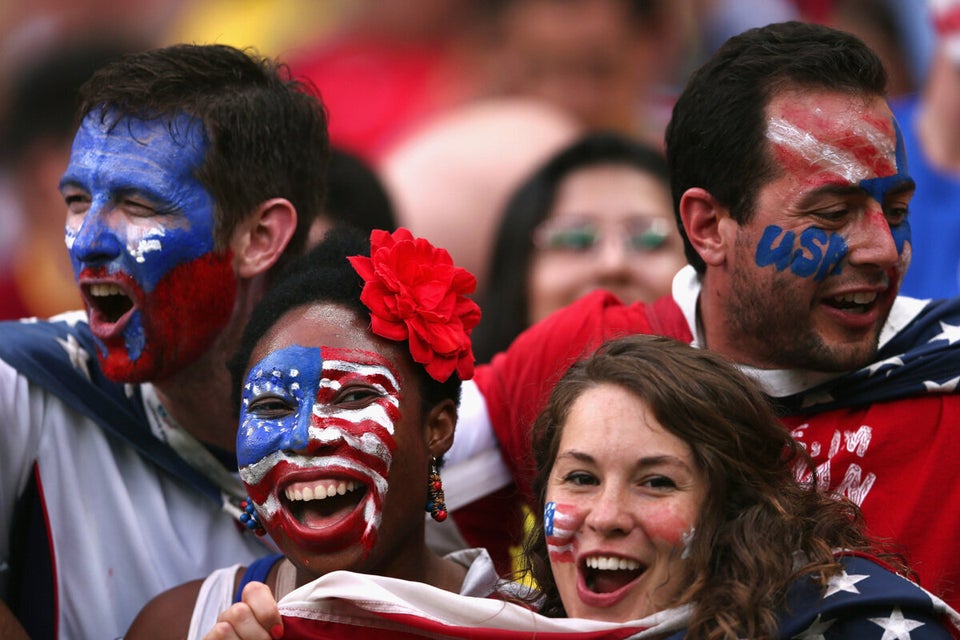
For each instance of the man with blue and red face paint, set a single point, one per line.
(194, 172)
(791, 189)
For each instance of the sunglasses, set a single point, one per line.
(639, 235)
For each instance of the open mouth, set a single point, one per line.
(606, 574)
(108, 302)
(858, 303)
(320, 503)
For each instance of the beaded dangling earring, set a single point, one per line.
(250, 518)
(436, 505)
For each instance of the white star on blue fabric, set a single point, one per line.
(77, 354)
(816, 630)
(947, 386)
(896, 627)
(70, 318)
(948, 332)
(893, 362)
(843, 582)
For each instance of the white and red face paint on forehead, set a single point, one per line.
(329, 439)
(852, 149)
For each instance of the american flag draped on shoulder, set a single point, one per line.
(59, 355)
(865, 601)
(922, 357)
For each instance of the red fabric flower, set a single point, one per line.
(416, 293)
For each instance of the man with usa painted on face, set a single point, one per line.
(194, 172)
(791, 189)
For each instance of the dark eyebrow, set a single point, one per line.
(903, 186)
(646, 461)
(69, 182)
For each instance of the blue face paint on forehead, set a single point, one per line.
(152, 162)
(292, 375)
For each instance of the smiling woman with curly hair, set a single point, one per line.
(668, 488)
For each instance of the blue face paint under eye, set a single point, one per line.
(878, 188)
(901, 235)
(292, 374)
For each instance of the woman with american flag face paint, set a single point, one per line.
(348, 381)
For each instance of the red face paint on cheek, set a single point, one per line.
(560, 525)
(175, 323)
(667, 526)
(367, 427)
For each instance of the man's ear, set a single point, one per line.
(259, 241)
(439, 427)
(704, 221)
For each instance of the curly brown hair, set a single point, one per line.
(759, 528)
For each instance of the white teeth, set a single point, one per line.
(321, 490)
(100, 290)
(612, 563)
(857, 298)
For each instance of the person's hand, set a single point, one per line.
(255, 617)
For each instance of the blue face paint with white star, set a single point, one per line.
(293, 376)
(144, 168)
(141, 224)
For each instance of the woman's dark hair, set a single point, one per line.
(356, 194)
(755, 515)
(323, 275)
(505, 305)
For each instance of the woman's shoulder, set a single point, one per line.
(482, 579)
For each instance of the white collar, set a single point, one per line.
(778, 383)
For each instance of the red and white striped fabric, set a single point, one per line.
(344, 605)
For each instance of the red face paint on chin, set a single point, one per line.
(178, 321)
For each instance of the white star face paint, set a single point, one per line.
(687, 538)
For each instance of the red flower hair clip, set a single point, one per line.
(416, 293)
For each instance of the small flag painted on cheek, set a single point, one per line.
(560, 527)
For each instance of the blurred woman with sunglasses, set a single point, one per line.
(597, 215)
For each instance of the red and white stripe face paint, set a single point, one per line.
(316, 443)
(623, 497)
(560, 524)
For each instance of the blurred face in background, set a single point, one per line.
(594, 58)
(611, 227)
